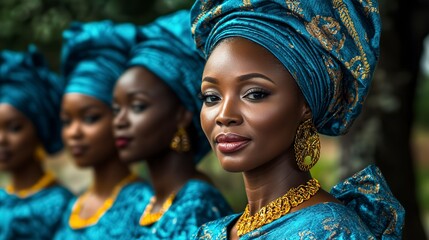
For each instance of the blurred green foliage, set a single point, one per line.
(42, 21)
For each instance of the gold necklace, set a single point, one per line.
(46, 180)
(76, 222)
(277, 208)
(148, 218)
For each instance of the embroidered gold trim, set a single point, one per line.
(76, 222)
(277, 208)
(46, 180)
(149, 218)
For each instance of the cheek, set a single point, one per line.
(208, 120)
(276, 124)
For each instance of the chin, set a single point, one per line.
(128, 158)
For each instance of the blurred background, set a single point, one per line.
(392, 131)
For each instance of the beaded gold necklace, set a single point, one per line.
(46, 180)
(76, 222)
(148, 217)
(277, 208)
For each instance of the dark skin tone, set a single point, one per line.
(247, 92)
(18, 144)
(88, 136)
(147, 121)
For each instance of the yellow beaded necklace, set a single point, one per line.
(277, 208)
(46, 180)
(76, 222)
(149, 218)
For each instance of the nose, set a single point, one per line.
(73, 131)
(229, 114)
(121, 120)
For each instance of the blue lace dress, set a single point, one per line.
(34, 217)
(116, 222)
(195, 204)
(370, 211)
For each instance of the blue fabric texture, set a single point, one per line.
(34, 217)
(117, 222)
(94, 55)
(168, 51)
(331, 48)
(195, 204)
(369, 212)
(29, 86)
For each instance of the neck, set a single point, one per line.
(107, 175)
(271, 181)
(26, 176)
(170, 172)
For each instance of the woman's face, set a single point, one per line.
(147, 115)
(252, 106)
(87, 129)
(18, 139)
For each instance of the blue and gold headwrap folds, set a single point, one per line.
(330, 47)
(168, 51)
(94, 55)
(28, 85)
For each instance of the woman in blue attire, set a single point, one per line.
(277, 74)
(31, 207)
(93, 57)
(157, 120)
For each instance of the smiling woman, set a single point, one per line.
(277, 74)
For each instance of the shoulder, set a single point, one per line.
(216, 229)
(203, 197)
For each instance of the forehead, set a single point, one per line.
(76, 102)
(242, 55)
(8, 112)
(140, 80)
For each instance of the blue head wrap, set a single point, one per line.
(94, 55)
(168, 51)
(330, 47)
(27, 84)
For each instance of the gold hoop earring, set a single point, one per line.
(307, 144)
(181, 142)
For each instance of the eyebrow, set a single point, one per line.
(254, 75)
(136, 91)
(240, 78)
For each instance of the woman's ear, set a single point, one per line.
(306, 112)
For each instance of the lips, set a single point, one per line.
(230, 142)
(78, 150)
(122, 142)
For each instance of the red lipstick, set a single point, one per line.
(230, 142)
(122, 142)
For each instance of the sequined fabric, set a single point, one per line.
(195, 204)
(117, 222)
(35, 217)
(369, 212)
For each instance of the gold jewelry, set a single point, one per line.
(181, 142)
(76, 222)
(277, 208)
(149, 218)
(307, 144)
(46, 180)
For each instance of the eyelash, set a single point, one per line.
(256, 91)
(253, 94)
